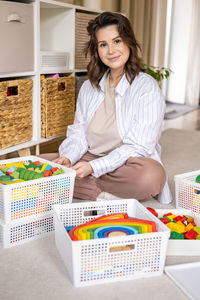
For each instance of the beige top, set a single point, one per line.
(102, 132)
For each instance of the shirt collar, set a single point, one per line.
(121, 86)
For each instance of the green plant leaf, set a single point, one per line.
(158, 73)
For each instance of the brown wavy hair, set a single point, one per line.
(96, 68)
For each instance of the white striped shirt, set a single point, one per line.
(140, 108)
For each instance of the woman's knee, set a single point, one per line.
(153, 178)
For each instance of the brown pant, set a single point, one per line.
(141, 178)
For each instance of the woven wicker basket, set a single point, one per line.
(57, 105)
(15, 112)
(81, 35)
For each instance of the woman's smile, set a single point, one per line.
(114, 58)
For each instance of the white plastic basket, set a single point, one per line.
(182, 247)
(26, 230)
(188, 191)
(35, 197)
(93, 261)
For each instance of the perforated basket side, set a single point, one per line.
(1, 203)
(78, 213)
(13, 234)
(64, 245)
(187, 191)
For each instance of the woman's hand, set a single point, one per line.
(82, 169)
(63, 161)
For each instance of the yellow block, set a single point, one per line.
(18, 165)
(176, 227)
(189, 227)
(44, 167)
(171, 217)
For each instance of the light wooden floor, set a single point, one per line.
(189, 121)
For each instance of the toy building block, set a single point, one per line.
(176, 236)
(191, 235)
(153, 211)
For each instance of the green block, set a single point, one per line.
(31, 165)
(32, 176)
(28, 174)
(38, 170)
(15, 174)
(197, 229)
(176, 236)
(4, 170)
(21, 172)
(197, 179)
(38, 175)
(5, 178)
(59, 171)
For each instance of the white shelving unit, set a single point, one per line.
(53, 30)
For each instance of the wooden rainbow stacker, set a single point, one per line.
(110, 226)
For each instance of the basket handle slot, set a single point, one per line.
(122, 248)
(61, 86)
(12, 91)
(94, 212)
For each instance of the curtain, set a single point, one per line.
(193, 74)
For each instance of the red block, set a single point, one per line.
(168, 214)
(36, 162)
(54, 169)
(8, 173)
(165, 221)
(179, 218)
(152, 211)
(47, 173)
(191, 235)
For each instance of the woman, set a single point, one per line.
(113, 143)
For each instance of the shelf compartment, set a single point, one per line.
(17, 37)
(57, 31)
(15, 112)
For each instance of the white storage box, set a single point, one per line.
(101, 260)
(186, 276)
(16, 37)
(51, 61)
(182, 247)
(26, 230)
(35, 197)
(188, 191)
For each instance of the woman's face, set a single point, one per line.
(113, 52)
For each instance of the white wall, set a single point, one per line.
(178, 51)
